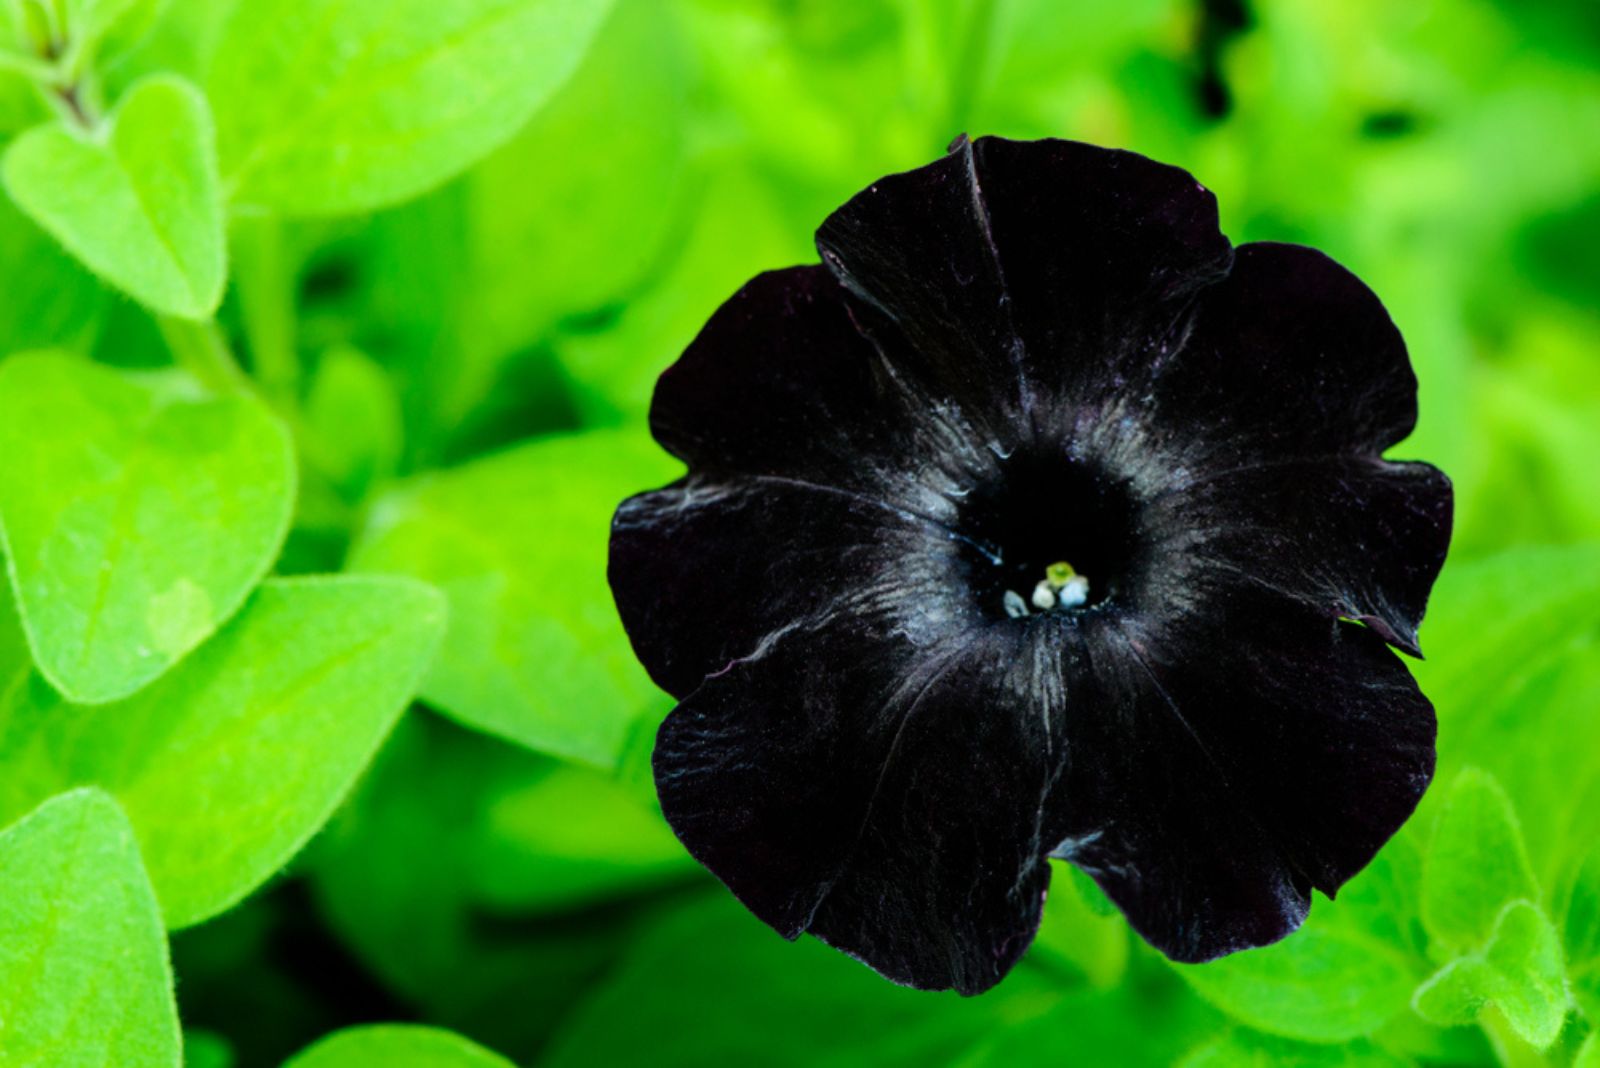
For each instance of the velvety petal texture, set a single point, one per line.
(1037, 521)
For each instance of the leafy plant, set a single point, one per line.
(327, 339)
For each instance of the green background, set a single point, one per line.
(452, 245)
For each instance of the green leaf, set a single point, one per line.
(231, 762)
(395, 1046)
(1580, 930)
(1321, 984)
(535, 652)
(136, 201)
(107, 28)
(352, 416)
(492, 936)
(136, 518)
(206, 1049)
(755, 999)
(53, 301)
(1539, 594)
(562, 836)
(1243, 1049)
(328, 107)
(1475, 864)
(1075, 934)
(1589, 1053)
(1147, 1023)
(1521, 973)
(84, 975)
(622, 121)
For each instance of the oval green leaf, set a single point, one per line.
(84, 975)
(330, 107)
(396, 1046)
(230, 763)
(137, 201)
(1475, 864)
(1317, 985)
(535, 652)
(136, 518)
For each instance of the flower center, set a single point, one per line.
(1064, 536)
(1062, 587)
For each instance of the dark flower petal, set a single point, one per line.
(916, 248)
(1143, 810)
(706, 573)
(1356, 538)
(891, 811)
(1012, 268)
(1225, 783)
(1102, 251)
(1290, 356)
(779, 381)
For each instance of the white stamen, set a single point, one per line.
(1074, 593)
(1044, 598)
(1016, 607)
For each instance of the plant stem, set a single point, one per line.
(200, 348)
(266, 302)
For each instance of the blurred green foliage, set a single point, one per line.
(451, 244)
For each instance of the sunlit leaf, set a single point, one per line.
(1520, 973)
(234, 759)
(135, 535)
(1475, 864)
(517, 541)
(84, 977)
(1321, 984)
(396, 1046)
(138, 201)
(368, 103)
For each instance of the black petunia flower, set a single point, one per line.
(1036, 522)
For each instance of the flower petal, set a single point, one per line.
(706, 573)
(892, 811)
(1290, 356)
(916, 249)
(1232, 781)
(1019, 270)
(1361, 539)
(1102, 251)
(781, 382)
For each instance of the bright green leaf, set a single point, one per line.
(232, 761)
(329, 107)
(1320, 984)
(1475, 864)
(84, 977)
(1453, 995)
(1244, 1049)
(535, 652)
(1076, 934)
(1521, 973)
(396, 1046)
(136, 517)
(108, 28)
(621, 120)
(137, 201)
